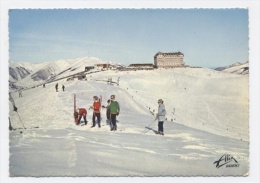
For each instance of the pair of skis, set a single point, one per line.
(76, 114)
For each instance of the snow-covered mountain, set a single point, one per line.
(18, 73)
(23, 74)
(236, 68)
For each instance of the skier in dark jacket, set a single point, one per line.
(63, 87)
(108, 112)
(114, 111)
(56, 87)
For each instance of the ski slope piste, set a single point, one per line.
(207, 117)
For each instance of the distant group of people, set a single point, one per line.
(57, 87)
(112, 107)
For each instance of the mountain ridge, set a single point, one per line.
(236, 68)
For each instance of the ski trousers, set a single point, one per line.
(160, 126)
(84, 117)
(95, 114)
(113, 119)
(108, 114)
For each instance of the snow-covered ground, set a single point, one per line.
(207, 117)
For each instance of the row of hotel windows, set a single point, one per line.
(170, 56)
(169, 63)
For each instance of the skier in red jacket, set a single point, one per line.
(82, 112)
(96, 113)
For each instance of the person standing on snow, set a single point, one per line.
(63, 87)
(114, 111)
(96, 113)
(108, 112)
(56, 87)
(20, 93)
(82, 112)
(161, 116)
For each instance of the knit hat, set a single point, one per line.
(112, 97)
(160, 101)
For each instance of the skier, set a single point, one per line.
(63, 87)
(96, 113)
(56, 87)
(20, 93)
(161, 116)
(114, 111)
(43, 85)
(108, 112)
(82, 112)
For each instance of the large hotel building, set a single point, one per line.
(170, 59)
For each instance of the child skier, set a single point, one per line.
(96, 113)
(161, 116)
(114, 111)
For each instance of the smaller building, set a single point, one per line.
(103, 66)
(140, 67)
(143, 66)
(88, 68)
(81, 76)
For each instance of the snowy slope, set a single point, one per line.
(210, 119)
(200, 98)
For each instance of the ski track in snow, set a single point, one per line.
(71, 148)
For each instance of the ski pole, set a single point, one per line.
(15, 108)
(144, 131)
(21, 120)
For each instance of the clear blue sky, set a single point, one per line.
(207, 37)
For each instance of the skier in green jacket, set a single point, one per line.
(114, 111)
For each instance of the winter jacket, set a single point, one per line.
(114, 107)
(96, 107)
(161, 112)
(82, 111)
